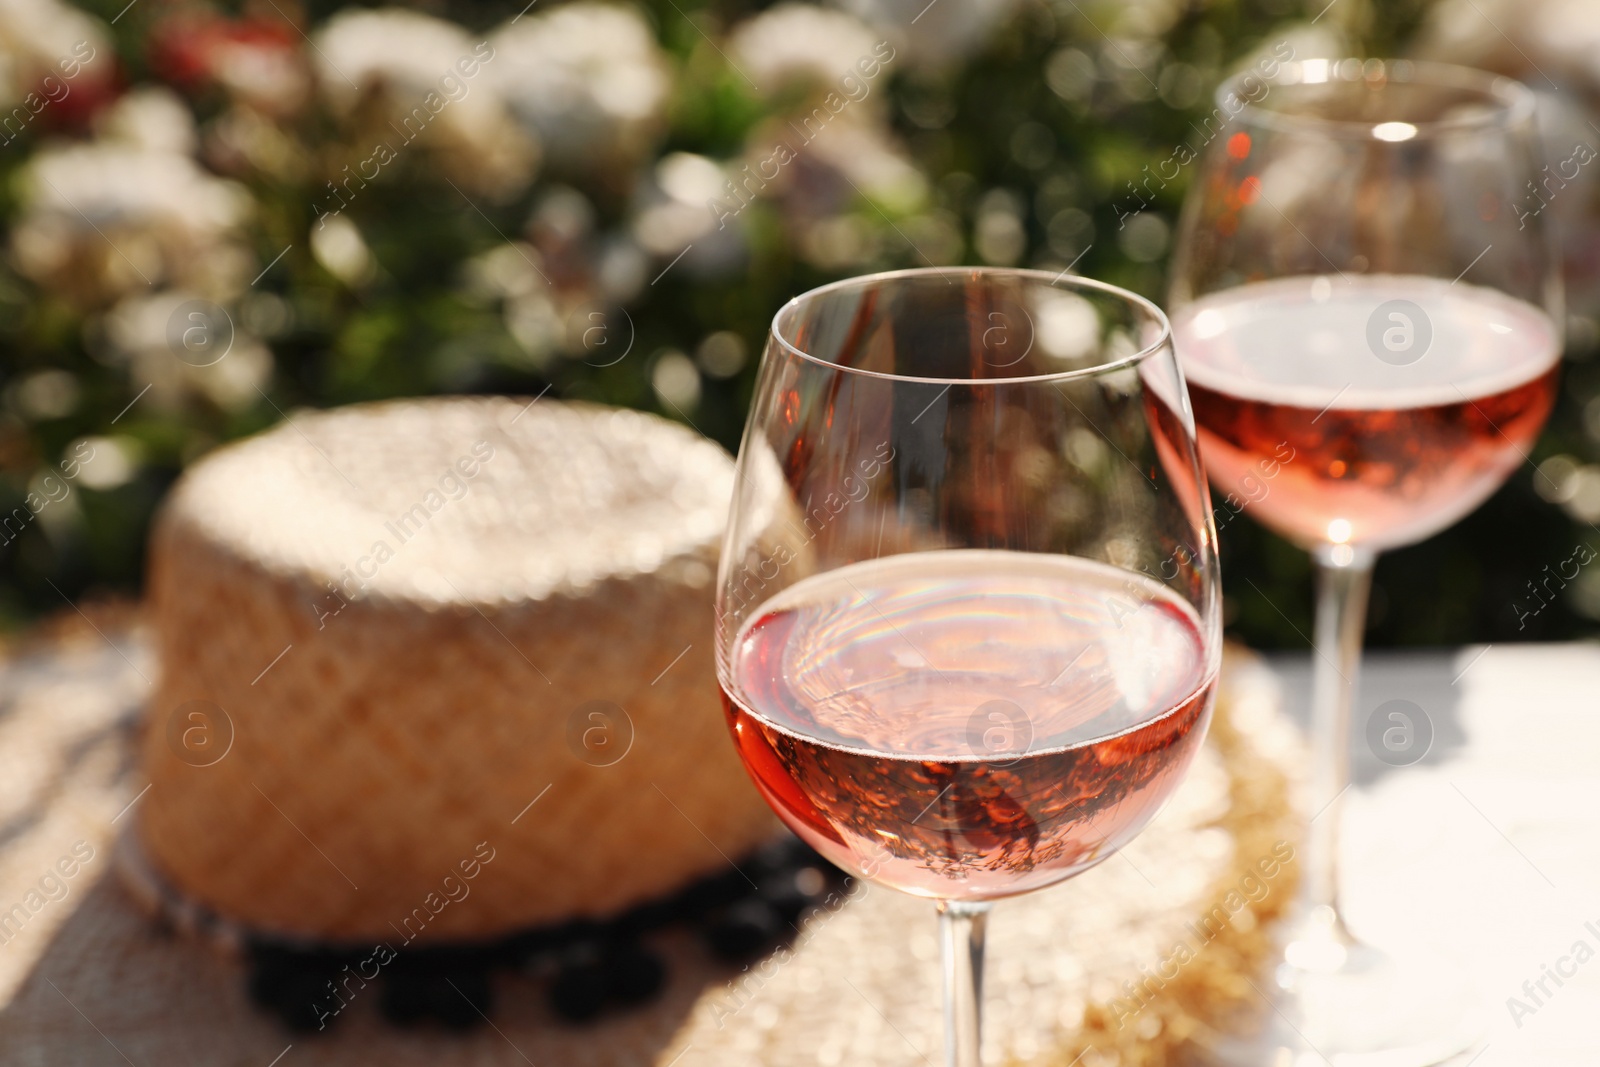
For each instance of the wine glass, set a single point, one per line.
(967, 609)
(1365, 304)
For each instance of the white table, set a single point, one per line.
(1488, 849)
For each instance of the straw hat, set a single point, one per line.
(441, 669)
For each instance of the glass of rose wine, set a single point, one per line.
(1366, 308)
(967, 609)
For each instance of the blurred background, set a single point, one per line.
(215, 214)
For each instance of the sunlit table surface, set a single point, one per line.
(1487, 849)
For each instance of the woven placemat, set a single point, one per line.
(1126, 960)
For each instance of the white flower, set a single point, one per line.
(338, 245)
(116, 184)
(587, 78)
(437, 85)
(812, 170)
(46, 37)
(800, 42)
(404, 51)
(873, 162)
(146, 331)
(935, 34)
(113, 461)
(667, 224)
(153, 117)
(675, 213)
(850, 152)
(105, 217)
(270, 72)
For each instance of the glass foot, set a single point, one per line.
(1335, 1002)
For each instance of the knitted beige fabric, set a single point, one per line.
(396, 639)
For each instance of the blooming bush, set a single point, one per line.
(218, 214)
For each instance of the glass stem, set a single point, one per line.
(1344, 577)
(961, 926)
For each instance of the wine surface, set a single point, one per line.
(1332, 419)
(969, 724)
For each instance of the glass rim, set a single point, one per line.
(1511, 101)
(1060, 280)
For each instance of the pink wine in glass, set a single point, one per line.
(969, 724)
(1325, 439)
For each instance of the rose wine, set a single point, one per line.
(1334, 420)
(969, 724)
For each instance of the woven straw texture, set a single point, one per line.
(88, 979)
(395, 639)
